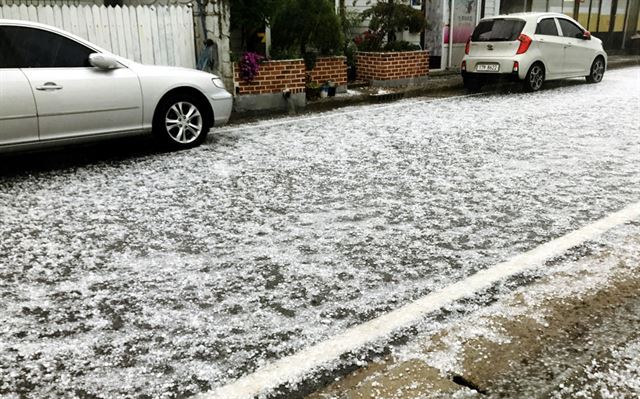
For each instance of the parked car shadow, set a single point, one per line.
(77, 155)
(516, 87)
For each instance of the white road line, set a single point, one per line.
(293, 368)
(330, 114)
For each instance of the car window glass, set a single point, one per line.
(569, 29)
(497, 30)
(8, 58)
(36, 48)
(547, 27)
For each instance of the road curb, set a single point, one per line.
(436, 85)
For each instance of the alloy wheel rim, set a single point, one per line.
(536, 77)
(183, 122)
(598, 71)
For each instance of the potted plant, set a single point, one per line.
(312, 90)
(331, 88)
(350, 53)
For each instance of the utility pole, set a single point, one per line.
(452, 4)
(423, 34)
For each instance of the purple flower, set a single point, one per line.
(249, 66)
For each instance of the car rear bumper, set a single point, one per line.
(506, 67)
(484, 76)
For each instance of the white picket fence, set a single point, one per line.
(160, 35)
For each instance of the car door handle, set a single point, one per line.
(49, 86)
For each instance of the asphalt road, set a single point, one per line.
(571, 332)
(126, 272)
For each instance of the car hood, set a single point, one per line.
(143, 69)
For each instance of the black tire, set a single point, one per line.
(535, 78)
(181, 121)
(597, 71)
(472, 85)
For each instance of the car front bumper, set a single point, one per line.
(222, 105)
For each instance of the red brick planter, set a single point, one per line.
(266, 90)
(392, 65)
(273, 77)
(332, 69)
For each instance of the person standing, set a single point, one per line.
(209, 60)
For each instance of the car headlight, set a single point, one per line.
(218, 83)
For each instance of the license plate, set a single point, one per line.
(487, 67)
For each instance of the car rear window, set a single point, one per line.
(498, 30)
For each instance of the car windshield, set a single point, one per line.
(498, 30)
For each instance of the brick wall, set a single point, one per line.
(330, 68)
(392, 65)
(273, 77)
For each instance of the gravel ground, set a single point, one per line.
(165, 275)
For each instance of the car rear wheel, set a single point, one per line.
(596, 72)
(535, 78)
(181, 122)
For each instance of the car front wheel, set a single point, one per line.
(535, 78)
(596, 72)
(181, 122)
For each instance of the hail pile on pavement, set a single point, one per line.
(171, 274)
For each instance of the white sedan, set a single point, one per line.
(57, 88)
(531, 48)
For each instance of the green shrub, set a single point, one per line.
(307, 24)
(310, 58)
(284, 53)
(400, 45)
(350, 52)
(387, 18)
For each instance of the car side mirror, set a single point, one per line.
(103, 61)
(586, 35)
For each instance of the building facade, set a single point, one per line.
(615, 22)
(451, 22)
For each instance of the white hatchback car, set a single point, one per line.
(57, 88)
(532, 48)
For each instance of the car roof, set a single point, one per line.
(528, 16)
(19, 22)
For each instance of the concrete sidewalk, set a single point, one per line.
(571, 334)
(439, 84)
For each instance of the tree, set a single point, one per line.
(253, 13)
(251, 16)
(307, 24)
(389, 17)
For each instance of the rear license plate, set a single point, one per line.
(487, 67)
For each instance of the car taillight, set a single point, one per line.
(525, 42)
(516, 66)
(463, 67)
(467, 46)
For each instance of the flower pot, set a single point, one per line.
(351, 73)
(312, 93)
